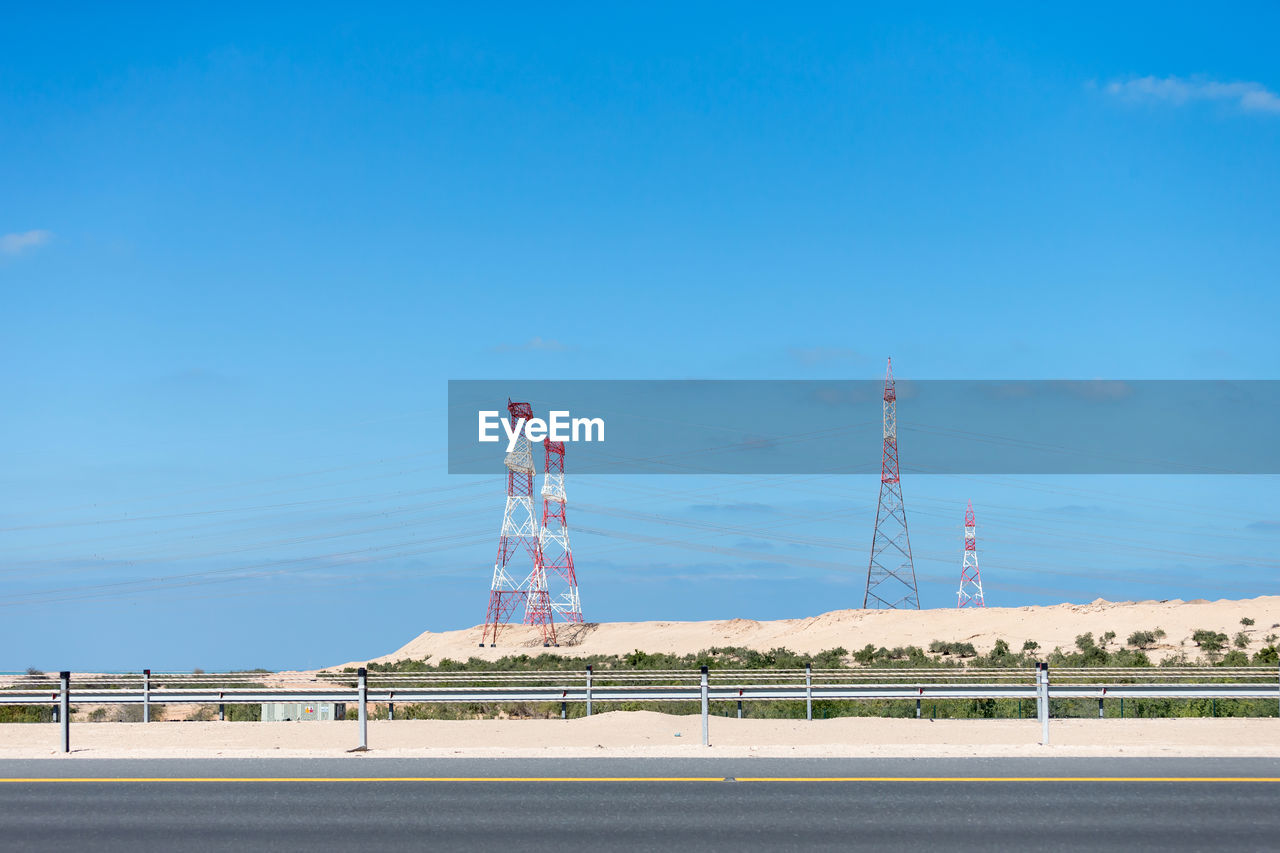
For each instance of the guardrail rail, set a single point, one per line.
(590, 686)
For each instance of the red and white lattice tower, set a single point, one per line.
(553, 537)
(970, 594)
(891, 574)
(518, 539)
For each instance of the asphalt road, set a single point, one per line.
(650, 804)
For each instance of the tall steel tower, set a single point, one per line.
(553, 536)
(519, 537)
(970, 594)
(891, 574)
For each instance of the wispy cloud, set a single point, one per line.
(1247, 95)
(534, 344)
(15, 244)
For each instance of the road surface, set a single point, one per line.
(640, 804)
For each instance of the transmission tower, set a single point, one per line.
(970, 594)
(553, 536)
(891, 575)
(519, 537)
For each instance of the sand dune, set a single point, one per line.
(1050, 626)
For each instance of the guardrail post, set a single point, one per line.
(146, 696)
(808, 691)
(739, 703)
(64, 708)
(706, 735)
(222, 712)
(362, 688)
(1042, 701)
(588, 690)
(391, 710)
(1100, 714)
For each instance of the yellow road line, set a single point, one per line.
(369, 779)
(34, 779)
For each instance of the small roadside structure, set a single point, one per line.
(289, 711)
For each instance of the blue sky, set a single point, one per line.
(242, 253)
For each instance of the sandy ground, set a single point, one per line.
(645, 733)
(1051, 626)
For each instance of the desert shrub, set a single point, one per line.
(1246, 621)
(1241, 640)
(1090, 654)
(1030, 646)
(1142, 639)
(26, 713)
(964, 650)
(1146, 639)
(133, 713)
(1210, 641)
(243, 713)
(1266, 655)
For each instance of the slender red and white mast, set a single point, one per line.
(891, 573)
(553, 537)
(970, 594)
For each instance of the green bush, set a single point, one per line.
(964, 650)
(1210, 641)
(243, 713)
(26, 713)
(1145, 639)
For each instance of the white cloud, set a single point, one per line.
(13, 244)
(1248, 96)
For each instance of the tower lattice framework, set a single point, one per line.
(553, 536)
(891, 574)
(970, 594)
(518, 539)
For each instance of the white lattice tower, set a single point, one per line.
(970, 594)
(518, 539)
(553, 537)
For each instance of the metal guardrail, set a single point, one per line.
(738, 685)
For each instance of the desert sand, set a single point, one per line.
(1050, 626)
(649, 734)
